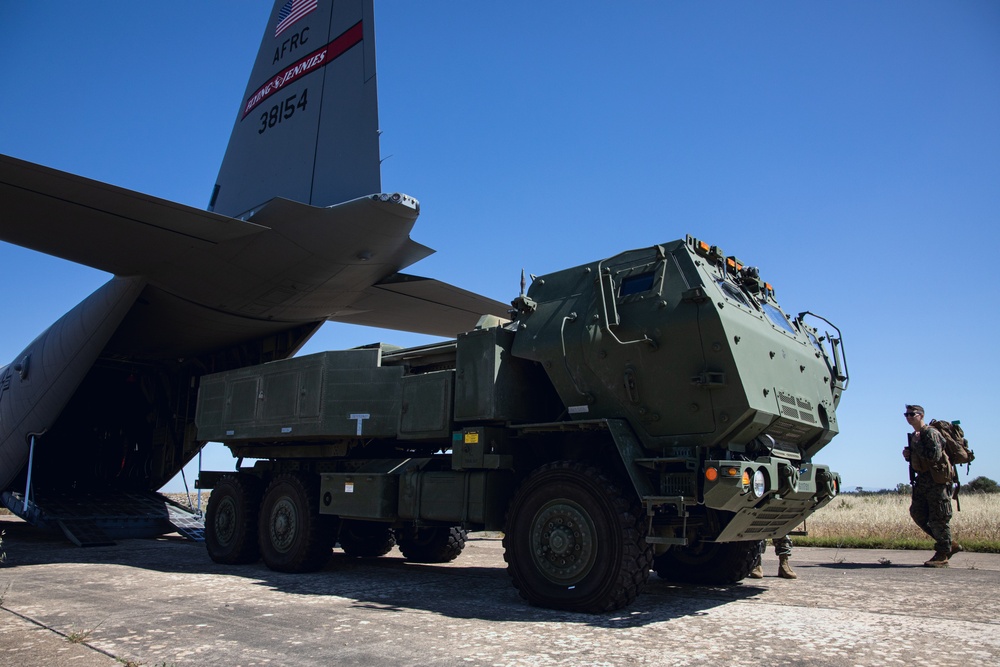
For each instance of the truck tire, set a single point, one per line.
(366, 539)
(575, 541)
(231, 520)
(293, 536)
(715, 563)
(432, 544)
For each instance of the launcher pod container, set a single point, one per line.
(655, 410)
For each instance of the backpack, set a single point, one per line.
(956, 450)
(955, 444)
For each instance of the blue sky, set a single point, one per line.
(849, 149)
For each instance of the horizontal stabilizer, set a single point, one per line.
(412, 303)
(105, 227)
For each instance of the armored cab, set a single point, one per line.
(691, 348)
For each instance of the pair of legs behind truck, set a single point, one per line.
(783, 550)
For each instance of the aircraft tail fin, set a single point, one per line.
(307, 127)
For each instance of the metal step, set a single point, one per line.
(188, 524)
(84, 532)
(99, 518)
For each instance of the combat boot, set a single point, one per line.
(939, 559)
(955, 548)
(785, 570)
(757, 572)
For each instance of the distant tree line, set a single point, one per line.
(978, 485)
(982, 485)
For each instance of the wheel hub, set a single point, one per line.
(283, 525)
(562, 542)
(225, 521)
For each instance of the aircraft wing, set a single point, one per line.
(411, 303)
(102, 226)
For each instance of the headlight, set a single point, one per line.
(759, 486)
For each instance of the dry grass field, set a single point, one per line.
(183, 498)
(884, 520)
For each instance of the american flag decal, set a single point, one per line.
(291, 12)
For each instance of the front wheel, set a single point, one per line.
(575, 541)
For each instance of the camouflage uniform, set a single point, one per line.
(782, 546)
(783, 550)
(930, 506)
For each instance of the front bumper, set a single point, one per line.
(790, 493)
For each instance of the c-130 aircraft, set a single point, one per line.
(97, 412)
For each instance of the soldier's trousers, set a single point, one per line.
(930, 508)
(782, 546)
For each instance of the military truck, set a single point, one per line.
(654, 410)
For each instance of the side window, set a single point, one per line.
(778, 318)
(636, 284)
(733, 293)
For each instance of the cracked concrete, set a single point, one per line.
(156, 602)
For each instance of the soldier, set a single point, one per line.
(783, 550)
(930, 506)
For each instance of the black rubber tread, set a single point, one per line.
(431, 544)
(291, 506)
(715, 563)
(615, 556)
(366, 539)
(231, 520)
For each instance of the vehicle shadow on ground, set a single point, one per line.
(867, 566)
(467, 588)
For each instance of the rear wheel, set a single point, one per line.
(575, 541)
(708, 562)
(231, 520)
(293, 536)
(432, 544)
(365, 539)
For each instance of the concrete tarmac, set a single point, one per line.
(163, 603)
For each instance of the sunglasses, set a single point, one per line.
(910, 414)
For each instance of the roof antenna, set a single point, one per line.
(522, 282)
